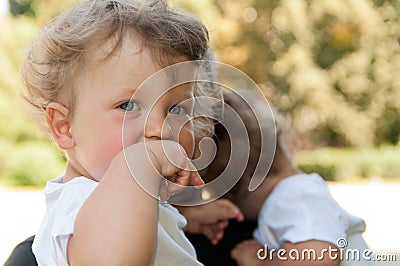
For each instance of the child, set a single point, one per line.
(214, 242)
(79, 76)
(296, 212)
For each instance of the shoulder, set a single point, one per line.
(301, 208)
(79, 185)
(297, 188)
(304, 195)
(64, 199)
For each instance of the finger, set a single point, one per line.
(182, 179)
(222, 224)
(228, 210)
(232, 209)
(235, 254)
(164, 194)
(208, 233)
(214, 239)
(185, 178)
(240, 216)
(196, 180)
(213, 235)
(174, 188)
(217, 232)
(218, 236)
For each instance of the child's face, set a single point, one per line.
(104, 106)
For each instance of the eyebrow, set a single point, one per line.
(131, 90)
(126, 92)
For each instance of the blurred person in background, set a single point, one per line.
(290, 210)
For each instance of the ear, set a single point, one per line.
(57, 120)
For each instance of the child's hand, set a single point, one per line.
(132, 204)
(165, 159)
(211, 219)
(245, 253)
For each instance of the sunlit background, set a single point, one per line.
(3, 7)
(332, 67)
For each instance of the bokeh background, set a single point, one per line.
(331, 67)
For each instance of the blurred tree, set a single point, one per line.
(41, 10)
(15, 34)
(21, 7)
(330, 64)
(337, 77)
(16, 130)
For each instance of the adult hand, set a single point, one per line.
(245, 253)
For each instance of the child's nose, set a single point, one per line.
(157, 127)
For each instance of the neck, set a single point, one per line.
(69, 173)
(73, 170)
(273, 180)
(250, 203)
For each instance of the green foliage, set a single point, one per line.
(40, 10)
(14, 125)
(331, 65)
(30, 163)
(344, 164)
(21, 7)
(340, 71)
(26, 158)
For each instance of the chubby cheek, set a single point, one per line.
(109, 150)
(110, 146)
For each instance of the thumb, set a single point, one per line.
(229, 210)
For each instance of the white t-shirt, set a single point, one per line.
(300, 208)
(63, 201)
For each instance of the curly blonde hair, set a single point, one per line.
(57, 53)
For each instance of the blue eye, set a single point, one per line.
(129, 106)
(178, 110)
